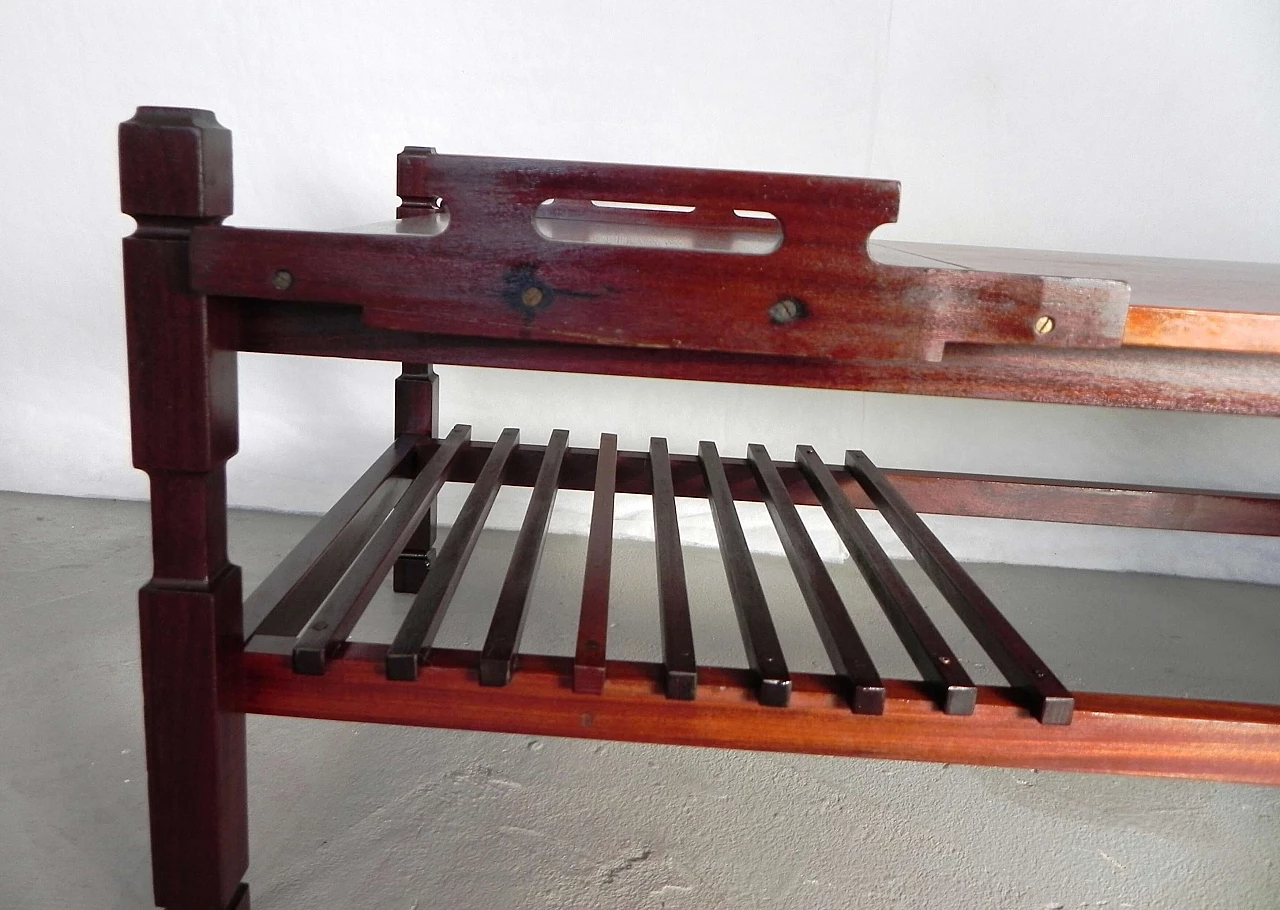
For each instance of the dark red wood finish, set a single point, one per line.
(1019, 663)
(502, 645)
(937, 663)
(844, 645)
(342, 605)
(417, 411)
(759, 638)
(418, 630)
(485, 271)
(492, 274)
(175, 174)
(593, 617)
(678, 655)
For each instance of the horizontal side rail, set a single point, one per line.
(1110, 734)
(1201, 381)
(929, 493)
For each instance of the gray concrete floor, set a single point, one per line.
(350, 815)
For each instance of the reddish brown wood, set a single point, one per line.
(417, 411)
(341, 607)
(848, 654)
(502, 645)
(1017, 660)
(482, 272)
(1110, 734)
(678, 655)
(759, 638)
(493, 274)
(285, 600)
(418, 630)
(935, 660)
(975, 495)
(593, 617)
(1130, 377)
(175, 173)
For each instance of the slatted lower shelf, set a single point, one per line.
(317, 594)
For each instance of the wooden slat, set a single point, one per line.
(498, 658)
(338, 613)
(848, 655)
(1016, 659)
(972, 495)
(937, 663)
(764, 653)
(593, 619)
(418, 630)
(1111, 734)
(673, 593)
(271, 608)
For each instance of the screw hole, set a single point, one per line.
(786, 310)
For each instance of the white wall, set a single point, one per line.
(1144, 128)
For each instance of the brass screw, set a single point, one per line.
(282, 280)
(1044, 325)
(531, 297)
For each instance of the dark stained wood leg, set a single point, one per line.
(417, 411)
(175, 170)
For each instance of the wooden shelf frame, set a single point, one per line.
(829, 307)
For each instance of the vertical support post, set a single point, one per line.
(175, 174)
(417, 411)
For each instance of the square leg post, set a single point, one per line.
(175, 174)
(417, 411)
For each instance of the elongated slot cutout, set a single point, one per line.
(659, 226)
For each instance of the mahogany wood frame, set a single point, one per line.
(209, 656)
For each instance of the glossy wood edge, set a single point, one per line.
(1008, 650)
(1110, 734)
(933, 657)
(593, 617)
(755, 624)
(267, 609)
(420, 624)
(502, 644)
(844, 646)
(341, 607)
(678, 655)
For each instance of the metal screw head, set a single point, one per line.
(282, 280)
(531, 297)
(1044, 325)
(788, 309)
